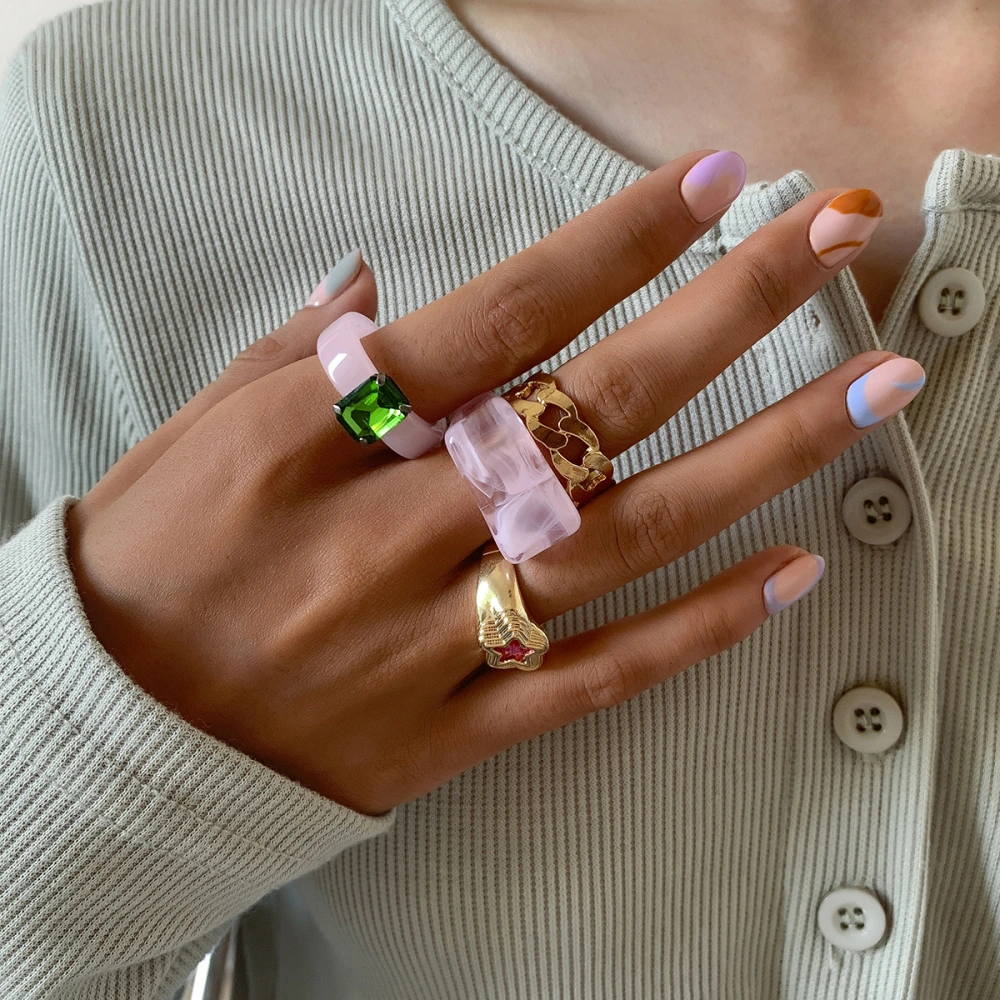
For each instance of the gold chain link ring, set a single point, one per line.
(572, 446)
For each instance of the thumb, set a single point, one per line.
(349, 287)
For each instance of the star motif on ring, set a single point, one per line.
(510, 640)
(513, 651)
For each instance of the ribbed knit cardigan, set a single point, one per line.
(175, 176)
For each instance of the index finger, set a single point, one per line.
(528, 307)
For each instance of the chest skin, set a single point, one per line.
(853, 104)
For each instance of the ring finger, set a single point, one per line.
(665, 511)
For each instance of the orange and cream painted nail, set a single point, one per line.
(844, 225)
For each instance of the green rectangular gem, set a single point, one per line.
(371, 410)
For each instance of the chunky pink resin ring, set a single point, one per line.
(347, 365)
(526, 506)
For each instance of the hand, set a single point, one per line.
(311, 601)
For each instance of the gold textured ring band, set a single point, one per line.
(507, 636)
(573, 448)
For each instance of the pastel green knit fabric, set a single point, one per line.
(175, 176)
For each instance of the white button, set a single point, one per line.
(877, 510)
(852, 918)
(868, 720)
(951, 302)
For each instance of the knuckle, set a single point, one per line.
(605, 682)
(803, 449)
(645, 231)
(649, 528)
(513, 320)
(769, 290)
(268, 352)
(616, 394)
(275, 478)
(716, 626)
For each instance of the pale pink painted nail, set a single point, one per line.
(845, 225)
(712, 183)
(792, 582)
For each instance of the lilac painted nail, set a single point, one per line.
(793, 581)
(884, 391)
(712, 183)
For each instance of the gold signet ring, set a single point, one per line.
(507, 636)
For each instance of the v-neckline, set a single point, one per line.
(591, 170)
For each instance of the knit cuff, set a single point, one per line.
(77, 719)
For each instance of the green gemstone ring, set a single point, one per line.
(377, 409)
(372, 409)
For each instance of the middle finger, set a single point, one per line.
(630, 383)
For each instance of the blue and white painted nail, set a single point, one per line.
(884, 391)
(340, 276)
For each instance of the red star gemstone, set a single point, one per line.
(513, 651)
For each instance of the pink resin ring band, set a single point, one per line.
(348, 367)
(525, 505)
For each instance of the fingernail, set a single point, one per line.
(792, 582)
(339, 277)
(883, 391)
(712, 183)
(845, 225)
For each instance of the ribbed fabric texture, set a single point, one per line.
(175, 176)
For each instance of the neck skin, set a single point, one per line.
(924, 67)
(875, 27)
(854, 92)
(817, 11)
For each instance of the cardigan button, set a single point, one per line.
(877, 510)
(868, 719)
(852, 918)
(951, 302)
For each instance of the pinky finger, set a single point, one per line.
(608, 665)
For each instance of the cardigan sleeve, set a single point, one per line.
(129, 839)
